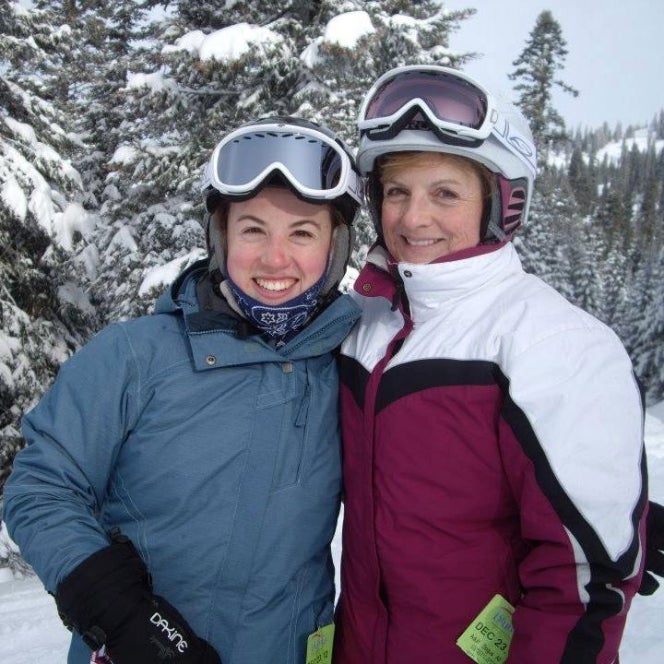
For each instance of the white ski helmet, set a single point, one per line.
(437, 109)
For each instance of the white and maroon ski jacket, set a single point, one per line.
(493, 443)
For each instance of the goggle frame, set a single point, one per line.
(384, 127)
(349, 180)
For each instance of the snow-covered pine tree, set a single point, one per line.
(535, 75)
(657, 126)
(613, 216)
(42, 307)
(553, 244)
(629, 314)
(104, 46)
(648, 218)
(91, 69)
(549, 243)
(646, 343)
(612, 277)
(581, 179)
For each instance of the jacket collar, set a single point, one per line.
(218, 336)
(431, 285)
(181, 295)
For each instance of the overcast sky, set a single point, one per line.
(615, 53)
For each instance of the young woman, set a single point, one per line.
(181, 481)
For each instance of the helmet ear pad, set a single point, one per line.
(373, 196)
(514, 195)
(215, 236)
(507, 209)
(504, 210)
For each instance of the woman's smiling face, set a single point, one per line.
(431, 207)
(278, 245)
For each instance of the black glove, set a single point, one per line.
(108, 599)
(654, 549)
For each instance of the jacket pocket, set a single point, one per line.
(324, 616)
(288, 466)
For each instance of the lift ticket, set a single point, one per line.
(487, 639)
(319, 645)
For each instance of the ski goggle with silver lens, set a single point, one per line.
(453, 106)
(315, 165)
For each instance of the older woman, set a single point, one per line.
(182, 478)
(493, 447)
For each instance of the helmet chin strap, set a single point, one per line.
(492, 230)
(216, 242)
(340, 248)
(494, 233)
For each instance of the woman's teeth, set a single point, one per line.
(275, 285)
(420, 243)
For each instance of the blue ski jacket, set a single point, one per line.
(217, 454)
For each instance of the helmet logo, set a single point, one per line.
(511, 138)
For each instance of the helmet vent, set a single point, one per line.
(514, 209)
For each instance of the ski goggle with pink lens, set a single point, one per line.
(313, 164)
(456, 108)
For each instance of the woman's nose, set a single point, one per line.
(414, 213)
(276, 253)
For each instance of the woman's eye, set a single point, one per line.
(252, 230)
(394, 191)
(448, 194)
(303, 234)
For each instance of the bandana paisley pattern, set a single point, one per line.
(279, 321)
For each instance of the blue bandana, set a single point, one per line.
(280, 321)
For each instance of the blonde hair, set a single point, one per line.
(394, 162)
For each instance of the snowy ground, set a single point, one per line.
(30, 630)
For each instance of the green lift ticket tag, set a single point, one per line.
(487, 639)
(319, 645)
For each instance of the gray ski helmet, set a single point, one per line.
(253, 156)
(508, 152)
